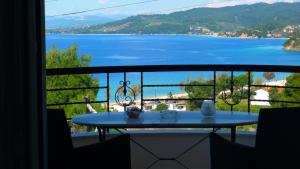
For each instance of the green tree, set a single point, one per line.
(292, 81)
(136, 90)
(198, 93)
(288, 94)
(162, 106)
(170, 95)
(182, 87)
(223, 83)
(258, 81)
(269, 75)
(275, 95)
(69, 58)
(293, 43)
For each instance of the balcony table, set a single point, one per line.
(186, 119)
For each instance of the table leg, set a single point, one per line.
(233, 134)
(104, 134)
(100, 134)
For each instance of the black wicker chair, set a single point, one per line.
(277, 144)
(111, 154)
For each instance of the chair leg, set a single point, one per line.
(100, 134)
(233, 134)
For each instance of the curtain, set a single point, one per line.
(22, 136)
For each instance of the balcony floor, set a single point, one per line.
(168, 143)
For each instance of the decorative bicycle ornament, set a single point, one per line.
(232, 97)
(125, 95)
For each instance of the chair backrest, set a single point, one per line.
(277, 136)
(59, 139)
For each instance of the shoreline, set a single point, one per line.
(279, 82)
(177, 95)
(194, 35)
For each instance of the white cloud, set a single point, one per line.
(102, 1)
(221, 3)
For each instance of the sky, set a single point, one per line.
(58, 7)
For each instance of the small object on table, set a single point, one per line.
(133, 112)
(208, 108)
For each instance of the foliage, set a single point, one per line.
(269, 75)
(182, 87)
(261, 30)
(243, 106)
(276, 96)
(198, 93)
(287, 94)
(170, 95)
(258, 81)
(65, 59)
(162, 106)
(136, 90)
(223, 83)
(293, 80)
(293, 43)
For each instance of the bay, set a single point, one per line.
(125, 50)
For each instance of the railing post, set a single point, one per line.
(142, 91)
(124, 87)
(215, 83)
(107, 91)
(249, 91)
(231, 88)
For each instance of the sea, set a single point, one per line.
(126, 50)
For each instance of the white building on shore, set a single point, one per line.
(261, 94)
(276, 83)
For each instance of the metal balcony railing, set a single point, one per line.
(125, 85)
(123, 98)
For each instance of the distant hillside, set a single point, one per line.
(223, 19)
(293, 44)
(62, 22)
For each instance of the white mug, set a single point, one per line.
(208, 108)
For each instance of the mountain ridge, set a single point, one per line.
(197, 20)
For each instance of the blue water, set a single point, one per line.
(116, 50)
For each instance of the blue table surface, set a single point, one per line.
(187, 119)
